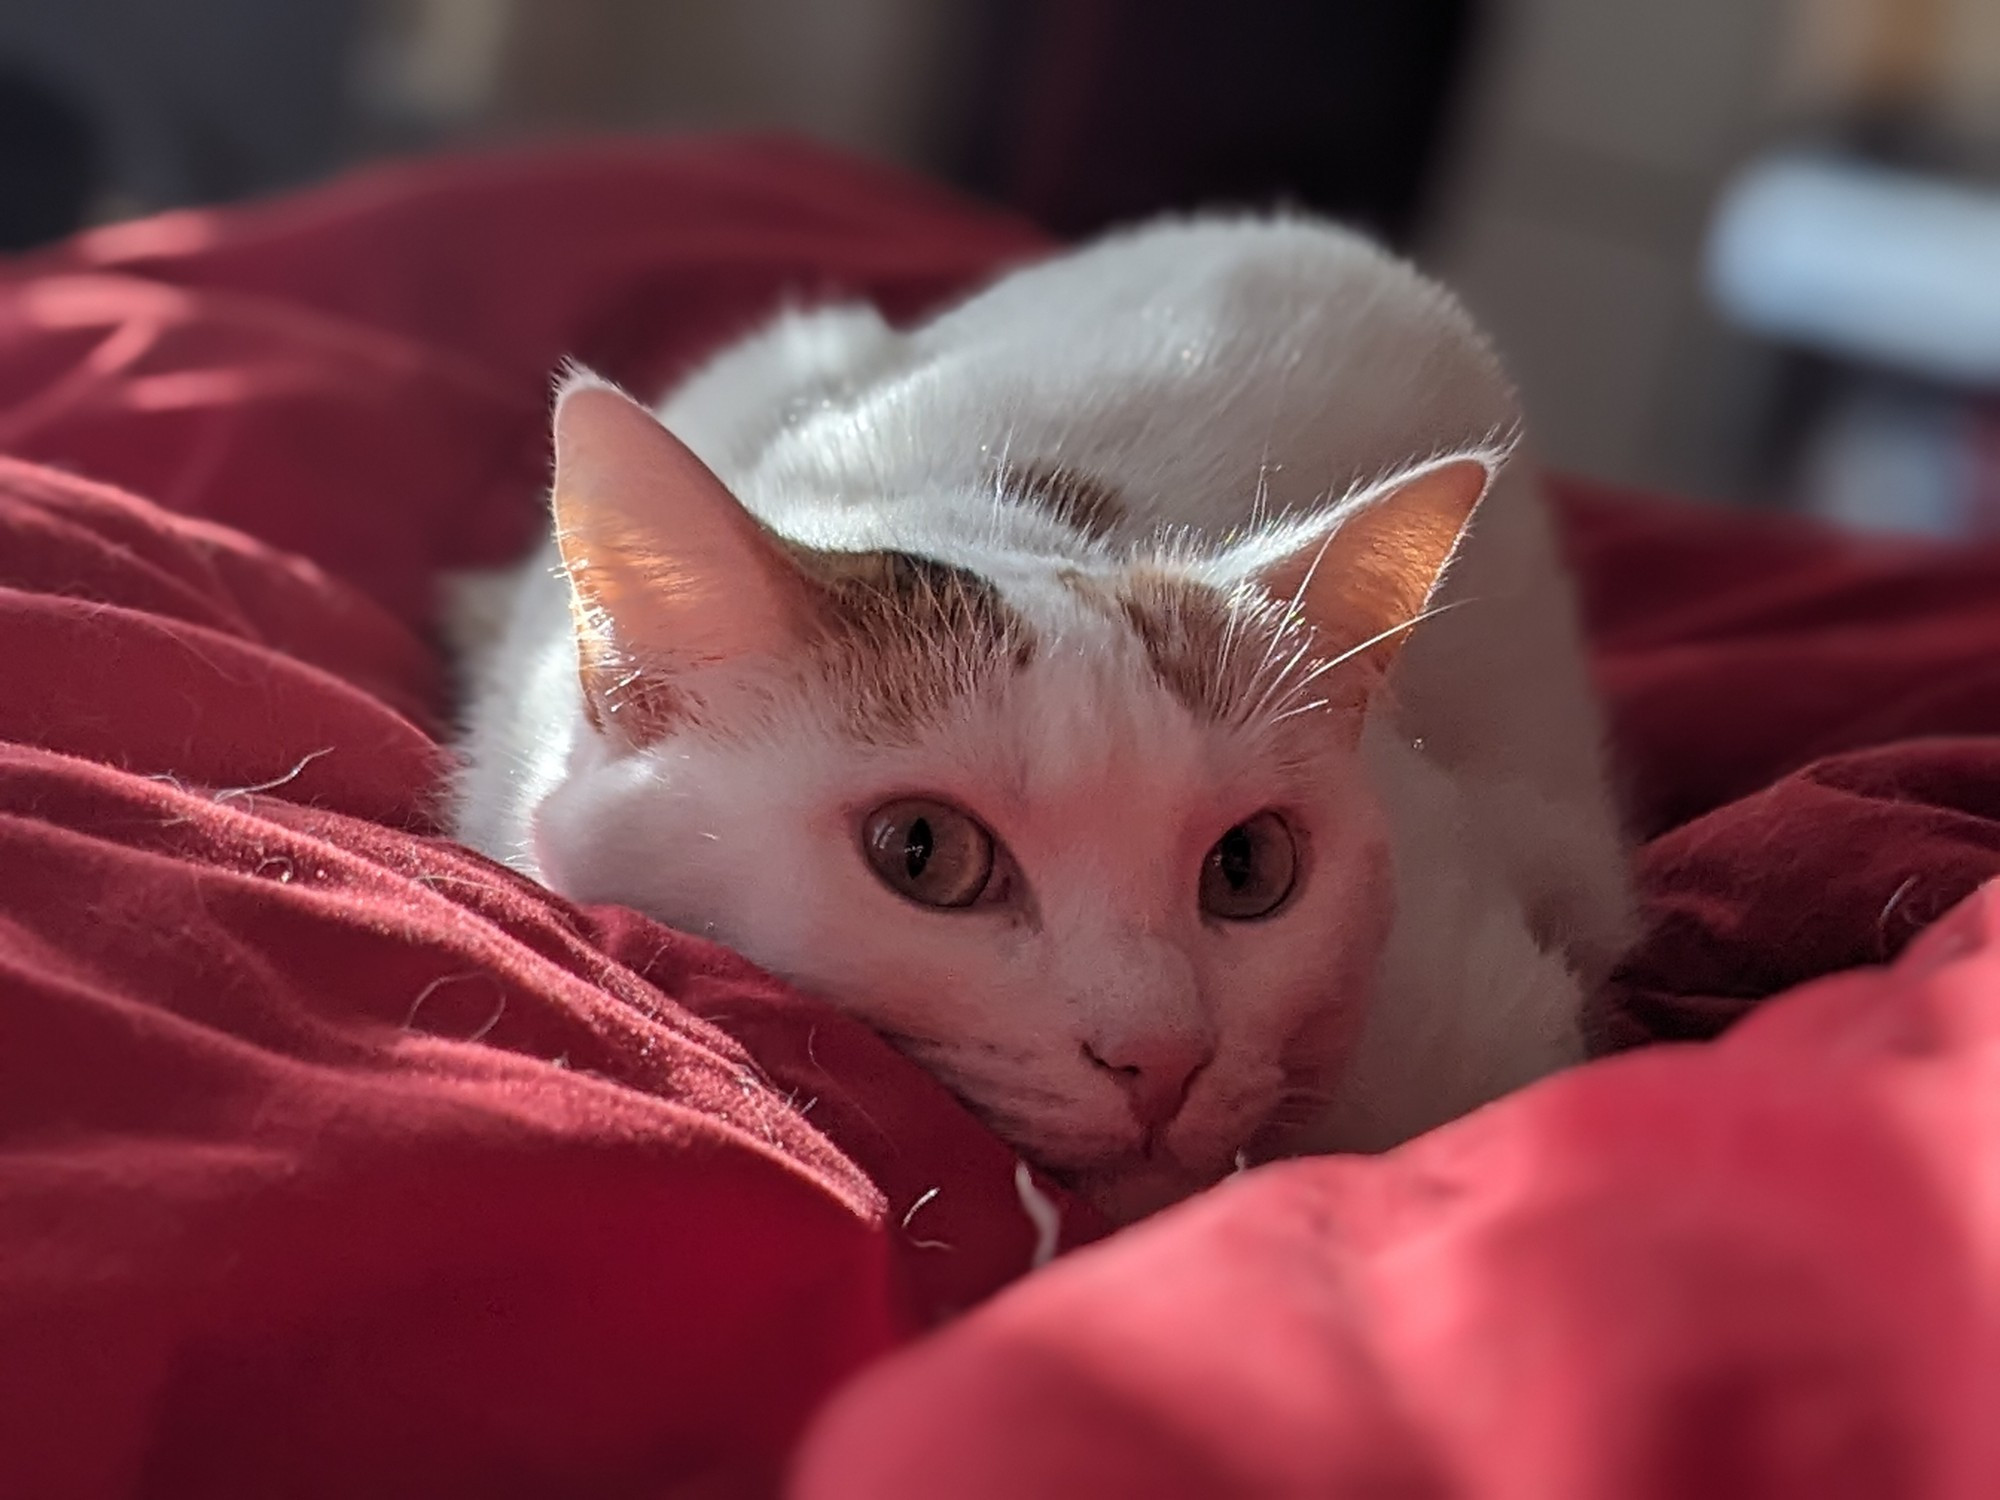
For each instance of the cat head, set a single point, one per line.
(1082, 829)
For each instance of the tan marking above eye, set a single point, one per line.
(1251, 870)
(903, 635)
(929, 852)
(1091, 505)
(1185, 627)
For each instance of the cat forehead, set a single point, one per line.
(1015, 577)
(1035, 545)
(1093, 695)
(1080, 728)
(1134, 636)
(1129, 676)
(1208, 644)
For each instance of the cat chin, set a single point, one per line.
(1127, 1193)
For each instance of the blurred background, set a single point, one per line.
(1747, 250)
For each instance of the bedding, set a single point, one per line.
(335, 1160)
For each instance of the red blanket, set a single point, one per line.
(336, 1161)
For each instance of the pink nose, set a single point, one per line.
(1156, 1070)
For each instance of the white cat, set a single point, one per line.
(1023, 683)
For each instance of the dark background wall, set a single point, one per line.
(1558, 161)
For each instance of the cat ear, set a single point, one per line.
(666, 568)
(1368, 573)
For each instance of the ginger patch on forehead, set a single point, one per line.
(1229, 658)
(1187, 630)
(905, 636)
(1080, 501)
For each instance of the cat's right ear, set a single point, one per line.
(667, 570)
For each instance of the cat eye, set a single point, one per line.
(1251, 869)
(929, 852)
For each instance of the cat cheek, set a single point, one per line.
(550, 845)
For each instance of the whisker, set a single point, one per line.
(1303, 708)
(1299, 688)
(1273, 706)
(1287, 616)
(1410, 624)
(1278, 680)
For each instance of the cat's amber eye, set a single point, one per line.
(1251, 869)
(929, 851)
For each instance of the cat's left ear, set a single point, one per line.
(1365, 575)
(667, 570)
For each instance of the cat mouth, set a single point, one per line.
(1133, 1184)
(1136, 1186)
(1125, 1180)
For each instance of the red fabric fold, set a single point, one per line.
(335, 1160)
(1764, 1268)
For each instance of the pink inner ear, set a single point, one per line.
(1378, 568)
(1432, 505)
(660, 554)
(612, 452)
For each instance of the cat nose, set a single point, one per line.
(1156, 1070)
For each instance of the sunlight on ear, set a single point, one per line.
(660, 554)
(1415, 526)
(1365, 581)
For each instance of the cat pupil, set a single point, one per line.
(1249, 871)
(929, 852)
(917, 847)
(1236, 857)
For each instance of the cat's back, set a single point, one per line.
(1187, 367)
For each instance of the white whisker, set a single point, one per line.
(1280, 699)
(1303, 708)
(1277, 681)
(1394, 630)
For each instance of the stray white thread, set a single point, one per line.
(925, 1197)
(230, 793)
(1896, 899)
(410, 1020)
(491, 1021)
(1042, 1213)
